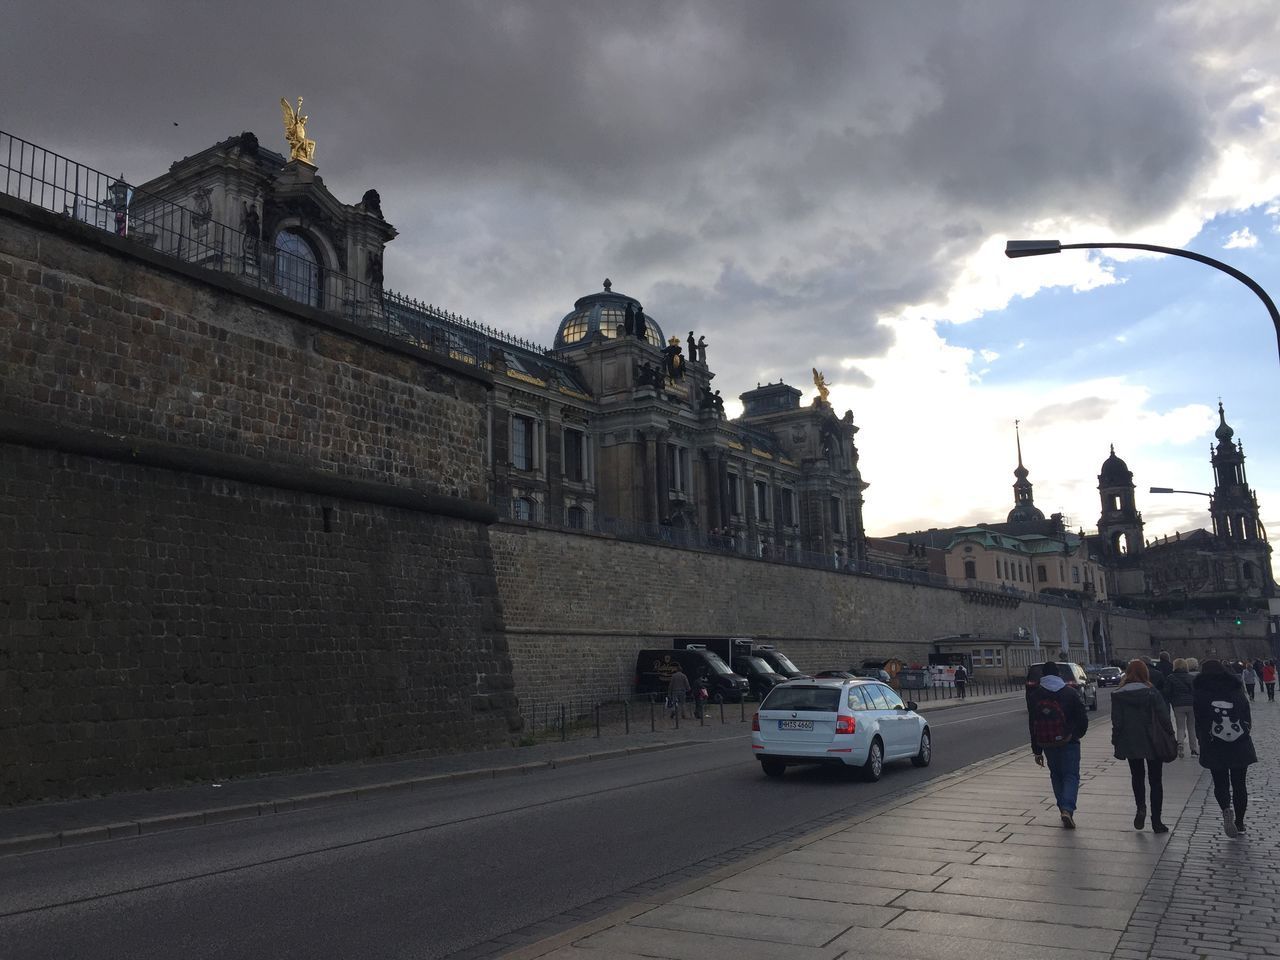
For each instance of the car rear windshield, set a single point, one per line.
(803, 699)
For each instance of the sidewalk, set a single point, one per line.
(977, 865)
(63, 823)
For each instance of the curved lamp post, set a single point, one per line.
(1038, 248)
(1197, 493)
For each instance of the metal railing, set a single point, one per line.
(584, 717)
(45, 179)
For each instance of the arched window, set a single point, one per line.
(522, 508)
(970, 570)
(1250, 574)
(297, 268)
(576, 518)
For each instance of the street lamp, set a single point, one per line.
(119, 202)
(1037, 248)
(1194, 493)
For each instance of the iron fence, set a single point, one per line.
(46, 179)
(583, 717)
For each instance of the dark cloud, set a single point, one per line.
(778, 176)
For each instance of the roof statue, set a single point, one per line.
(820, 382)
(295, 132)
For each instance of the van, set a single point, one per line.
(654, 669)
(778, 660)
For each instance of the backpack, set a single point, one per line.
(1049, 723)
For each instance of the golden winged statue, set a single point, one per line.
(295, 132)
(820, 382)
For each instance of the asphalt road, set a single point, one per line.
(433, 873)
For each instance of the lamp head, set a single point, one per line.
(1031, 248)
(1162, 489)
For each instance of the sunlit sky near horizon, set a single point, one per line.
(826, 184)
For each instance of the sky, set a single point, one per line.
(817, 184)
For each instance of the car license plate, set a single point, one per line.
(795, 724)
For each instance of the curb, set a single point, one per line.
(935, 705)
(12, 846)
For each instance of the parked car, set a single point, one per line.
(760, 676)
(873, 673)
(1074, 676)
(1110, 676)
(857, 723)
(655, 667)
(778, 660)
(834, 675)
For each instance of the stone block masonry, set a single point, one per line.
(236, 535)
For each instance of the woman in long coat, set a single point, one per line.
(1223, 722)
(1134, 707)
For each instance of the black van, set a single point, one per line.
(760, 676)
(777, 660)
(654, 669)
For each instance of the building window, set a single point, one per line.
(1075, 574)
(677, 468)
(297, 268)
(970, 570)
(988, 657)
(522, 442)
(1042, 573)
(575, 455)
(837, 515)
(522, 508)
(735, 494)
(576, 518)
(762, 500)
(789, 507)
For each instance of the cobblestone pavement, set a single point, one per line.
(1211, 897)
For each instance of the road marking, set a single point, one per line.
(985, 716)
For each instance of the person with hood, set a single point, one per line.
(1249, 677)
(1135, 706)
(1223, 722)
(1057, 719)
(1177, 690)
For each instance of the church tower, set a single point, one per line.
(1024, 507)
(1120, 524)
(1234, 506)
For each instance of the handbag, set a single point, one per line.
(1163, 743)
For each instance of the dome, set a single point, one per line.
(1115, 471)
(601, 314)
(1023, 513)
(1224, 433)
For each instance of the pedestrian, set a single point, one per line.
(1177, 690)
(677, 691)
(1193, 666)
(1223, 721)
(1057, 719)
(1164, 667)
(961, 678)
(1269, 679)
(1249, 677)
(1136, 708)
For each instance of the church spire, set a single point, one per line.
(1024, 507)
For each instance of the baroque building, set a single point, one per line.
(1227, 567)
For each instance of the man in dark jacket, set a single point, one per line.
(1178, 694)
(1056, 720)
(1160, 673)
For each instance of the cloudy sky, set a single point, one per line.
(822, 184)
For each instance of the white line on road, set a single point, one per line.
(985, 716)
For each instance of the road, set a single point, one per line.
(433, 873)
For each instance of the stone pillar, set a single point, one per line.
(713, 475)
(651, 477)
(662, 480)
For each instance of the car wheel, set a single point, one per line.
(773, 768)
(1094, 704)
(718, 698)
(874, 766)
(925, 755)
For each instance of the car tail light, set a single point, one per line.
(755, 723)
(846, 724)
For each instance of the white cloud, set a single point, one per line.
(1240, 239)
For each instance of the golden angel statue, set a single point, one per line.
(295, 132)
(820, 382)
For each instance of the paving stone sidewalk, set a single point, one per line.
(978, 866)
(1211, 897)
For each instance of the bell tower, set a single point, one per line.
(1234, 506)
(1120, 524)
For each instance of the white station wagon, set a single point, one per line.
(857, 723)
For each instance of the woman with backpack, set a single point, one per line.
(1177, 690)
(1136, 709)
(1223, 721)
